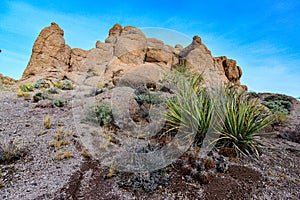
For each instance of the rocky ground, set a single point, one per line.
(41, 169)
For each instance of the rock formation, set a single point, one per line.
(50, 55)
(126, 57)
(6, 81)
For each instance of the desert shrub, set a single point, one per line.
(59, 141)
(191, 108)
(59, 102)
(47, 122)
(64, 84)
(27, 87)
(151, 98)
(280, 104)
(41, 83)
(52, 90)
(252, 95)
(63, 156)
(243, 118)
(19, 93)
(67, 85)
(40, 96)
(99, 114)
(10, 152)
(279, 119)
(57, 84)
(26, 95)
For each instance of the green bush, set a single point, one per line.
(59, 102)
(191, 108)
(41, 83)
(64, 84)
(67, 85)
(27, 87)
(279, 104)
(241, 118)
(151, 98)
(41, 95)
(99, 114)
(252, 95)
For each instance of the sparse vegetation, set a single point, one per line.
(59, 102)
(40, 96)
(10, 152)
(280, 104)
(47, 122)
(243, 118)
(191, 108)
(99, 114)
(151, 98)
(85, 153)
(252, 95)
(64, 84)
(58, 140)
(26, 95)
(63, 155)
(41, 83)
(28, 87)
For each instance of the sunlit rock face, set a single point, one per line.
(124, 55)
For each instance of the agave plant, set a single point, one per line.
(242, 119)
(191, 108)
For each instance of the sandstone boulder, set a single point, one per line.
(148, 75)
(130, 46)
(158, 52)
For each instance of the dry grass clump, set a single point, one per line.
(63, 155)
(58, 140)
(85, 153)
(11, 152)
(47, 122)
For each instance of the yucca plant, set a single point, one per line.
(241, 119)
(191, 108)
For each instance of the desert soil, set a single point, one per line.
(37, 174)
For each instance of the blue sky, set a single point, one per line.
(262, 35)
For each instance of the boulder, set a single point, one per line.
(123, 104)
(158, 52)
(130, 46)
(148, 75)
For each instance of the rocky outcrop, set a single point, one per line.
(6, 81)
(197, 57)
(229, 67)
(50, 55)
(126, 56)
